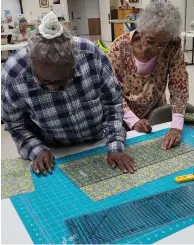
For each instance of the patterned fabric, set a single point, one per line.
(121, 183)
(98, 180)
(86, 109)
(15, 177)
(141, 94)
(90, 170)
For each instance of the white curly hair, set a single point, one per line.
(53, 44)
(160, 16)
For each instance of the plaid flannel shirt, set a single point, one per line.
(88, 108)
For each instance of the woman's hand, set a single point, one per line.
(142, 126)
(171, 139)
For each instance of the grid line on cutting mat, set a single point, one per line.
(56, 198)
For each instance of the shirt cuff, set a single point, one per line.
(130, 118)
(116, 146)
(177, 121)
(36, 151)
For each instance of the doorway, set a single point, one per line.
(106, 33)
(77, 16)
(94, 26)
(91, 17)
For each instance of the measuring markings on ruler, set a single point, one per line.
(91, 170)
(83, 173)
(133, 218)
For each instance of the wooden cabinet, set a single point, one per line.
(118, 30)
(123, 13)
(114, 14)
(127, 12)
(120, 14)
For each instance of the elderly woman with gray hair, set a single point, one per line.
(59, 91)
(144, 61)
(20, 34)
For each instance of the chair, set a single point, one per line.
(163, 114)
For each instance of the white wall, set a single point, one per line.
(144, 3)
(92, 8)
(115, 3)
(32, 10)
(13, 6)
(82, 10)
(141, 4)
(78, 7)
(70, 4)
(189, 18)
(181, 5)
(189, 14)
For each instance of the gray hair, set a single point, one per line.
(160, 16)
(57, 51)
(23, 20)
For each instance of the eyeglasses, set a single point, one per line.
(60, 82)
(152, 44)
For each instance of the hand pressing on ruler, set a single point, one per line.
(172, 138)
(43, 163)
(123, 161)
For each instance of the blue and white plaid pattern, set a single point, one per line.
(89, 107)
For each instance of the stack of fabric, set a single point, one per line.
(103, 46)
(189, 119)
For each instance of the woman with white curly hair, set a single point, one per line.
(144, 61)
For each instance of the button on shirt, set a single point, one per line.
(86, 109)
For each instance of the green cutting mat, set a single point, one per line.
(98, 180)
